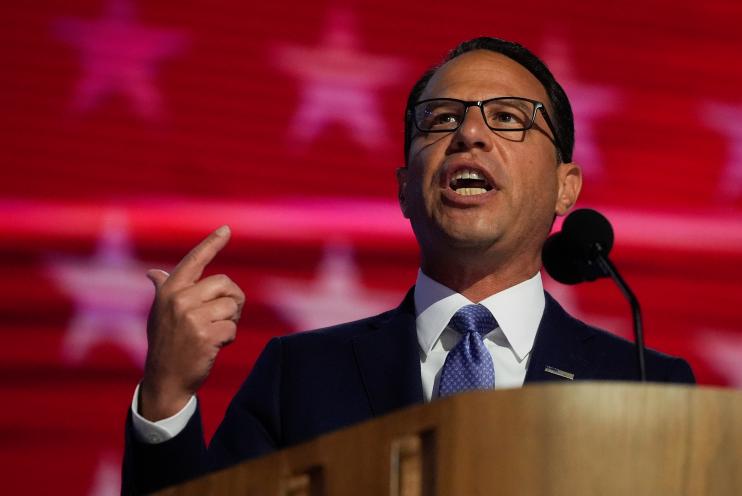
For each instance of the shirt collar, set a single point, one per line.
(517, 309)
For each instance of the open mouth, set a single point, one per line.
(469, 182)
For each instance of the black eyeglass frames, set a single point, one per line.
(507, 113)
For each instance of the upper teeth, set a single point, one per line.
(468, 174)
(469, 182)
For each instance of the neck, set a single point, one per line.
(477, 276)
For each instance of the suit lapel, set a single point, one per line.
(389, 360)
(560, 348)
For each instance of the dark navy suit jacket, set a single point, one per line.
(305, 385)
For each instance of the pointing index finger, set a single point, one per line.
(192, 266)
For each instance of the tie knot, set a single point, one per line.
(473, 318)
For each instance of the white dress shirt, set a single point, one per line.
(517, 309)
(162, 430)
(518, 312)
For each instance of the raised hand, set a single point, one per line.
(190, 321)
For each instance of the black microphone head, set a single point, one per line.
(561, 260)
(569, 256)
(586, 228)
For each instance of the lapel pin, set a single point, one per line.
(560, 373)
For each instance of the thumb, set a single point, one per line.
(158, 277)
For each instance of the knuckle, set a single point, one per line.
(240, 293)
(204, 338)
(191, 318)
(192, 257)
(196, 259)
(205, 334)
(179, 305)
(231, 328)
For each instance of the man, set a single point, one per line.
(488, 146)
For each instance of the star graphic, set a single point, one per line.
(590, 103)
(339, 83)
(119, 56)
(336, 294)
(111, 296)
(724, 349)
(723, 118)
(107, 480)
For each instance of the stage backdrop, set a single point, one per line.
(130, 129)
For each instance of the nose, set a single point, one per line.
(473, 133)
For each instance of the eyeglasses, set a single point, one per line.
(507, 113)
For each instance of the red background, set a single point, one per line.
(130, 130)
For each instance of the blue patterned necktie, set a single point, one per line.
(469, 364)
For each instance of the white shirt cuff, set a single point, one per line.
(162, 430)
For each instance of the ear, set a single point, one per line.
(569, 177)
(402, 189)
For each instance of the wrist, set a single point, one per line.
(158, 403)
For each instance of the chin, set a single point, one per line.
(469, 240)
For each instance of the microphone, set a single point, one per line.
(579, 253)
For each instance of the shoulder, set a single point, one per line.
(613, 356)
(347, 331)
(339, 333)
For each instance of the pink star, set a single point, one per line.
(107, 480)
(590, 102)
(724, 352)
(111, 296)
(339, 83)
(119, 56)
(724, 118)
(336, 295)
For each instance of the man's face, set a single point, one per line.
(526, 185)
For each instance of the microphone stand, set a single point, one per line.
(610, 270)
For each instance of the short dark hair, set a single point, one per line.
(562, 118)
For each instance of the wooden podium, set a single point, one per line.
(558, 439)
